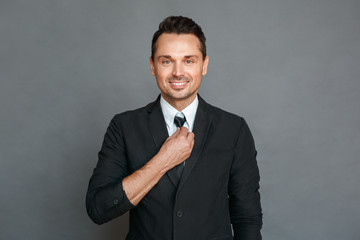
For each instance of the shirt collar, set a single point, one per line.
(169, 112)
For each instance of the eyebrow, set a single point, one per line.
(163, 56)
(186, 56)
(191, 56)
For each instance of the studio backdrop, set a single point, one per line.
(290, 68)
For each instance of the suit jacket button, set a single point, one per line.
(179, 214)
(116, 201)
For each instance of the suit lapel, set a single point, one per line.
(157, 124)
(201, 128)
(159, 132)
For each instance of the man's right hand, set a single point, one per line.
(177, 148)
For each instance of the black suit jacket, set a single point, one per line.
(218, 188)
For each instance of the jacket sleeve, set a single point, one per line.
(105, 197)
(244, 197)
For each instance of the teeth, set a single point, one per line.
(178, 84)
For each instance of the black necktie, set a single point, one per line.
(179, 121)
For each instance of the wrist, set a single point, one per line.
(161, 163)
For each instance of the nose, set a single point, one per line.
(178, 69)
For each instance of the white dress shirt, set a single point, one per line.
(169, 113)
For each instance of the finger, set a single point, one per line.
(192, 143)
(175, 133)
(184, 130)
(190, 135)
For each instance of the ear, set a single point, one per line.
(152, 68)
(205, 65)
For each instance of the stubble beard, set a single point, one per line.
(179, 95)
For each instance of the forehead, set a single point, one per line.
(174, 44)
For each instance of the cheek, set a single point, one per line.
(196, 74)
(163, 73)
(161, 78)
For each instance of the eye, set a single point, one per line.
(166, 62)
(189, 61)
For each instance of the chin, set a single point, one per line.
(179, 97)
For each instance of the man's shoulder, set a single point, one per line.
(228, 123)
(135, 113)
(224, 115)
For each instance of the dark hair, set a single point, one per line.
(179, 25)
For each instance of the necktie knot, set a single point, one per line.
(179, 119)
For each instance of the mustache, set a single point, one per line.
(174, 78)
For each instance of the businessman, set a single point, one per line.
(184, 169)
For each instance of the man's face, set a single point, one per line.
(178, 67)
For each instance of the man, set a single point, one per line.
(184, 169)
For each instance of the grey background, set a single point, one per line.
(291, 68)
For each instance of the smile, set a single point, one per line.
(178, 84)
